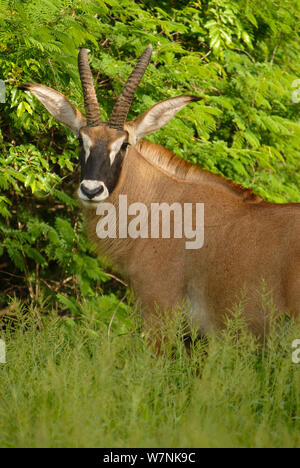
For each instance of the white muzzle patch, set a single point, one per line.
(92, 185)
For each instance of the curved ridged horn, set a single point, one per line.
(122, 106)
(90, 99)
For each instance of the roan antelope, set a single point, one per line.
(247, 240)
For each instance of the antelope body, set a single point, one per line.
(247, 241)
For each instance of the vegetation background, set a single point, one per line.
(243, 58)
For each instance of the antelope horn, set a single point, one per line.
(122, 106)
(90, 99)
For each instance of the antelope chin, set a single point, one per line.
(91, 203)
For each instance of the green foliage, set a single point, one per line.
(241, 57)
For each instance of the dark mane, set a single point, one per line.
(185, 170)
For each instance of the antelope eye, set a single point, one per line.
(124, 145)
(80, 140)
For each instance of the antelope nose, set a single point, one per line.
(91, 192)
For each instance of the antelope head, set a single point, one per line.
(103, 145)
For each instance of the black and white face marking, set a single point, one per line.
(101, 150)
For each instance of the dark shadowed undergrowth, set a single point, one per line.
(68, 384)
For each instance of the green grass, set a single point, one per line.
(71, 384)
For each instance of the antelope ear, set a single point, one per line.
(156, 117)
(58, 106)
